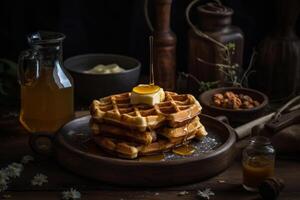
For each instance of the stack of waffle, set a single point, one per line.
(130, 131)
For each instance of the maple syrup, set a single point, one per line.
(146, 89)
(45, 106)
(46, 87)
(151, 87)
(153, 158)
(184, 150)
(258, 162)
(255, 172)
(185, 130)
(151, 74)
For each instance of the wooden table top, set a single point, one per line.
(226, 185)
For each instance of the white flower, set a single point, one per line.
(13, 170)
(205, 193)
(6, 196)
(3, 175)
(3, 186)
(10, 114)
(183, 193)
(71, 194)
(39, 179)
(16, 165)
(3, 180)
(26, 159)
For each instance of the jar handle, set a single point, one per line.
(42, 143)
(27, 73)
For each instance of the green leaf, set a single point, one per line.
(8, 67)
(2, 91)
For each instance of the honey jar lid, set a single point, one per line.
(271, 188)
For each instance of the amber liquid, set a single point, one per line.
(153, 158)
(45, 106)
(184, 150)
(256, 170)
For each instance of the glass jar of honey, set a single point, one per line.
(258, 162)
(46, 87)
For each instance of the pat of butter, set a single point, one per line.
(149, 99)
(105, 69)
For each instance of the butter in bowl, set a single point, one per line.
(99, 75)
(105, 69)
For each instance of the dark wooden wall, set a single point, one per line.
(115, 26)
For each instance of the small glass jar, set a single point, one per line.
(258, 162)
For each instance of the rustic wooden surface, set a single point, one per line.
(227, 185)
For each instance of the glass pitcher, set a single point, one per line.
(46, 87)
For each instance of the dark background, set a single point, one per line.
(116, 26)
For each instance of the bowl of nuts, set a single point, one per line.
(239, 105)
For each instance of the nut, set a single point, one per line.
(225, 103)
(234, 101)
(218, 96)
(217, 102)
(229, 95)
(237, 103)
(256, 103)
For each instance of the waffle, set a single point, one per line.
(129, 131)
(132, 150)
(174, 111)
(169, 132)
(146, 137)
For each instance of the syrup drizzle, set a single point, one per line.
(185, 130)
(151, 78)
(151, 87)
(185, 149)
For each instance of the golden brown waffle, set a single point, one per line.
(131, 150)
(146, 137)
(169, 132)
(173, 111)
(102, 129)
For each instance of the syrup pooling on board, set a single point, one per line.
(184, 150)
(153, 158)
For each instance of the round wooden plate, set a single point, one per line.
(74, 149)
